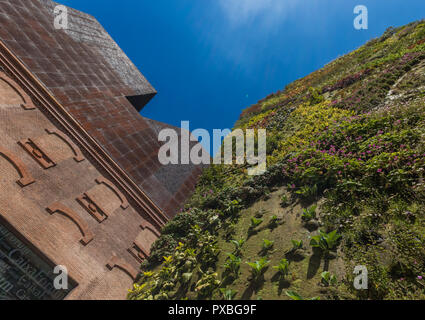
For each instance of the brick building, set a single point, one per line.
(80, 181)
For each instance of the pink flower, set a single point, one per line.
(420, 277)
(379, 170)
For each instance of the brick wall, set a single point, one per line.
(90, 76)
(58, 201)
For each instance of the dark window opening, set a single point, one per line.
(140, 101)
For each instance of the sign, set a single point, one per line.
(23, 274)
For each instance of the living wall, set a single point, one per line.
(344, 187)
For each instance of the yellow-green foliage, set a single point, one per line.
(272, 102)
(420, 30)
(255, 120)
(306, 122)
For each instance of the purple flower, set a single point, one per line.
(420, 277)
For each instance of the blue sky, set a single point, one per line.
(210, 59)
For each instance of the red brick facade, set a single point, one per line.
(43, 176)
(80, 180)
(73, 66)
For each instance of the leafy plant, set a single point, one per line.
(295, 296)
(267, 244)
(307, 192)
(207, 284)
(148, 274)
(309, 213)
(255, 222)
(283, 267)
(228, 294)
(238, 245)
(232, 208)
(284, 201)
(315, 96)
(207, 247)
(258, 267)
(326, 241)
(328, 278)
(168, 260)
(297, 245)
(232, 264)
(274, 219)
(274, 222)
